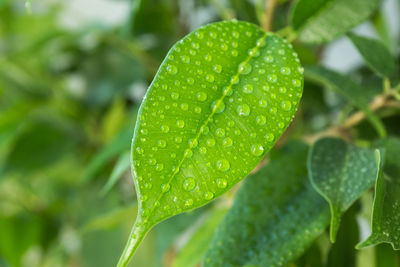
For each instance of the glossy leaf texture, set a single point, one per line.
(341, 172)
(386, 210)
(275, 217)
(349, 89)
(319, 21)
(375, 54)
(220, 100)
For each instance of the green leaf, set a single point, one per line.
(375, 54)
(341, 172)
(342, 253)
(275, 217)
(386, 210)
(347, 88)
(319, 21)
(220, 100)
(122, 165)
(195, 249)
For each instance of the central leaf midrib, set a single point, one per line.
(218, 102)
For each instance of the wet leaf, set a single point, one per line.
(275, 217)
(318, 21)
(341, 172)
(348, 88)
(375, 54)
(386, 210)
(218, 103)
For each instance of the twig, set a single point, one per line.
(268, 16)
(379, 102)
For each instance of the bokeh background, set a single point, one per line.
(72, 76)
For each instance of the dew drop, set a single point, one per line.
(210, 142)
(185, 59)
(227, 142)
(269, 59)
(244, 68)
(261, 120)
(164, 128)
(178, 139)
(220, 132)
(286, 105)
(222, 183)
(217, 68)
(262, 103)
(285, 71)
(234, 53)
(254, 52)
(243, 110)
(203, 150)
(257, 150)
(270, 137)
(189, 184)
(273, 110)
(190, 80)
(272, 78)
(218, 108)
(172, 69)
(188, 153)
(224, 47)
(165, 187)
(210, 78)
(174, 95)
(189, 202)
(180, 123)
(248, 89)
(296, 82)
(208, 195)
(197, 109)
(162, 143)
(139, 150)
(204, 129)
(184, 106)
(159, 167)
(223, 165)
(208, 57)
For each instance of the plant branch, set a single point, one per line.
(379, 102)
(268, 16)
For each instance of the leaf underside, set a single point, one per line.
(341, 172)
(386, 210)
(319, 21)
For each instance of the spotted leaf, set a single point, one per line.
(220, 100)
(341, 172)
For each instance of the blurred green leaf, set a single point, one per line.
(341, 172)
(375, 54)
(319, 21)
(275, 217)
(41, 143)
(196, 247)
(346, 87)
(386, 256)
(121, 166)
(386, 210)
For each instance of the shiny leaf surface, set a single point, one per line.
(341, 172)
(275, 217)
(218, 103)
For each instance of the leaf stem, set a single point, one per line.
(139, 231)
(269, 10)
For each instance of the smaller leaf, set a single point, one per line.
(375, 54)
(123, 164)
(347, 88)
(318, 21)
(275, 217)
(341, 172)
(386, 210)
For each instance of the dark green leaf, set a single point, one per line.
(220, 100)
(375, 54)
(341, 172)
(318, 21)
(386, 210)
(275, 217)
(346, 87)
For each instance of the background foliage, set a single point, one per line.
(72, 74)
